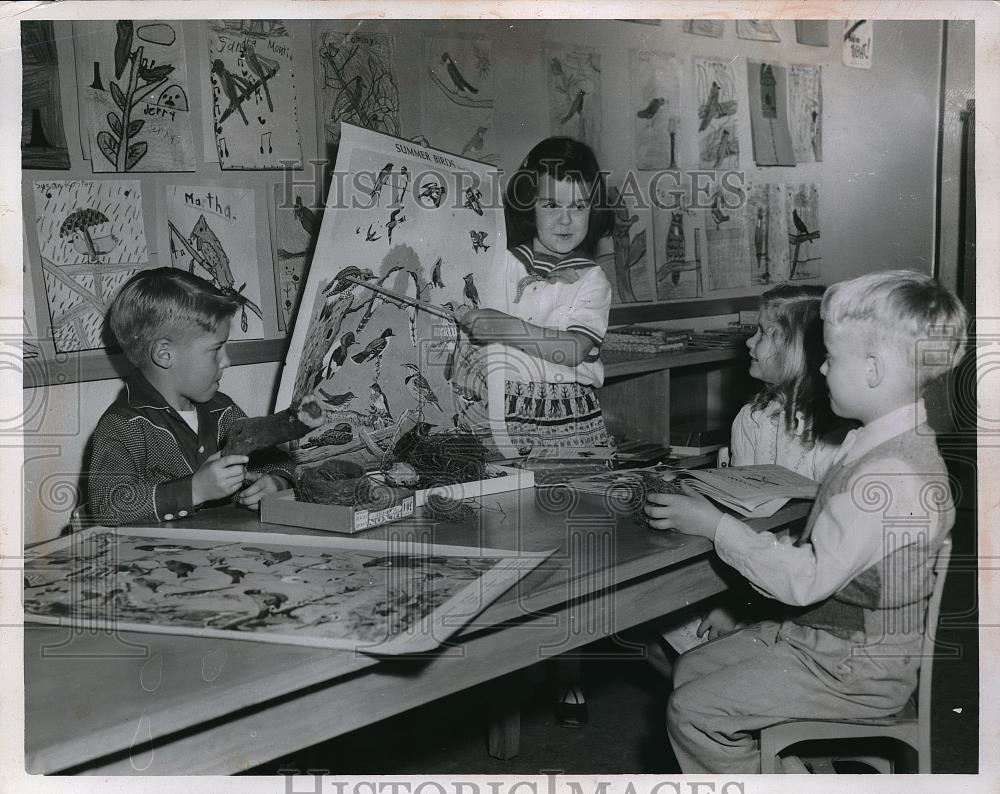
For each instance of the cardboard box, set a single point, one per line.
(510, 480)
(283, 508)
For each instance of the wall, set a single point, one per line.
(876, 180)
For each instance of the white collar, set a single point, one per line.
(863, 439)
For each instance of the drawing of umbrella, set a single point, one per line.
(78, 224)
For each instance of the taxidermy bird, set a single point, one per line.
(800, 226)
(261, 67)
(337, 400)
(419, 387)
(711, 108)
(374, 348)
(576, 108)
(470, 290)
(231, 86)
(336, 357)
(436, 275)
(651, 109)
(476, 143)
(461, 84)
(401, 449)
(380, 405)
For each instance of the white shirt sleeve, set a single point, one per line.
(588, 312)
(850, 535)
(743, 439)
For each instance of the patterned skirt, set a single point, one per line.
(554, 415)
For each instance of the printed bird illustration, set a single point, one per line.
(436, 275)
(383, 175)
(461, 84)
(470, 290)
(476, 143)
(711, 107)
(379, 402)
(212, 253)
(419, 387)
(231, 85)
(374, 348)
(393, 222)
(337, 400)
(401, 185)
(336, 357)
(307, 218)
(800, 225)
(465, 393)
(460, 424)
(404, 446)
(477, 241)
(576, 108)
(263, 68)
(651, 109)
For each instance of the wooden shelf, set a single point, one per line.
(617, 365)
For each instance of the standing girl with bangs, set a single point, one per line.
(555, 313)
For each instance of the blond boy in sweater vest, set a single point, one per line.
(858, 579)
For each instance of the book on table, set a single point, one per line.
(755, 491)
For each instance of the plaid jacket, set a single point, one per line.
(144, 455)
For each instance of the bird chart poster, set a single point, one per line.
(718, 135)
(423, 224)
(134, 95)
(43, 137)
(373, 596)
(457, 96)
(296, 222)
(213, 234)
(357, 81)
(805, 112)
(254, 103)
(768, 99)
(804, 254)
(656, 105)
(626, 255)
(574, 91)
(91, 239)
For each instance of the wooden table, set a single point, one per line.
(142, 703)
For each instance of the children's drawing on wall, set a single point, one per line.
(457, 96)
(43, 139)
(625, 255)
(346, 593)
(91, 240)
(756, 30)
(725, 243)
(718, 138)
(857, 49)
(713, 28)
(254, 101)
(767, 87)
(655, 78)
(765, 242)
(32, 330)
(134, 96)
(805, 112)
(574, 86)
(677, 247)
(802, 221)
(213, 235)
(813, 32)
(384, 365)
(297, 219)
(358, 81)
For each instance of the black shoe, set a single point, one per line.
(571, 711)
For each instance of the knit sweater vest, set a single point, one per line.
(887, 601)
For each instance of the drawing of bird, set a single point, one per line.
(393, 223)
(374, 348)
(711, 107)
(651, 109)
(419, 387)
(213, 254)
(336, 357)
(231, 85)
(401, 185)
(717, 214)
(307, 218)
(470, 290)
(477, 241)
(264, 68)
(800, 226)
(461, 84)
(338, 400)
(404, 446)
(476, 143)
(380, 404)
(576, 108)
(380, 180)
(436, 275)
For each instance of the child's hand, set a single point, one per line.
(260, 484)
(717, 622)
(691, 513)
(484, 325)
(218, 477)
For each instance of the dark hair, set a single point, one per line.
(794, 309)
(164, 301)
(561, 158)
